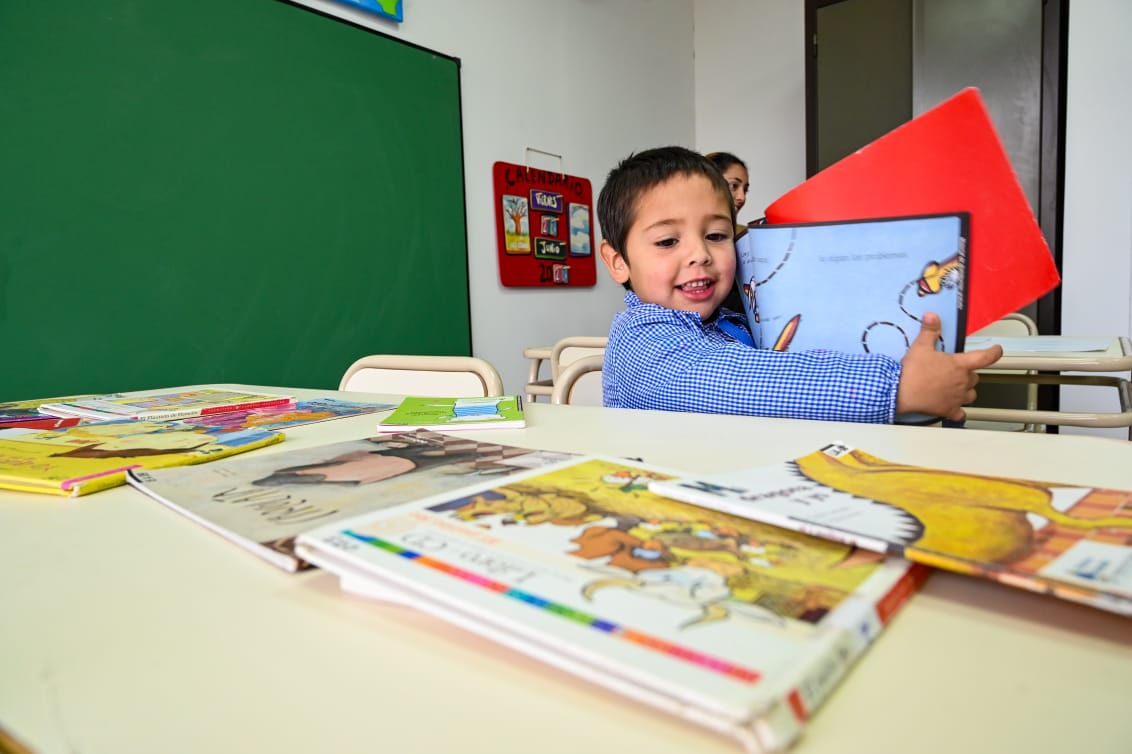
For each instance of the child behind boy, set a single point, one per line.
(668, 225)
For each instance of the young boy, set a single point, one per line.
(668, 224)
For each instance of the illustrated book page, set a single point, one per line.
(91, 457)
(417, 412)
(857, 287)
(281, 417)
(948, 159)
(164, 406)
(263, 502)
(1070, 541)
(738, 626)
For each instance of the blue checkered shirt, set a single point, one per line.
(659, 358)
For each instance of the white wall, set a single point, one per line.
(750, 93)
(592, 81)
(750, 84)
(1097, 240)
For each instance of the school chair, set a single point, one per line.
(572, 348)
(1015, 325)
(536, 385)
(580, 383)
(431, 376)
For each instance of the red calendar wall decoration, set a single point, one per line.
(544, 224)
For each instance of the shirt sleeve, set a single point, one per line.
(661, 359)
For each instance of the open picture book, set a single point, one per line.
(1069, 541)
(87, 458)
(947, 159)
(861, 286)
(262, 502)
(732, 624)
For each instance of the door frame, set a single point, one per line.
(1051, 167)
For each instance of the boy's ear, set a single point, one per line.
(615, 263)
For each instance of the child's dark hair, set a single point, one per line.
(724, 160)
(636, 174)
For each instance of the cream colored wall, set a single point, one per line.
(1097, 243)
(591, 81)
(751, 91)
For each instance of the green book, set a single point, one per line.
(494, 412)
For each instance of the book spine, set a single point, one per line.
(901, 592)
(248, 405)
(67, 411)
(188, 413)
(822, 674)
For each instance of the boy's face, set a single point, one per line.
(680, 250)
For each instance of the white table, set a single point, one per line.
(127, 628)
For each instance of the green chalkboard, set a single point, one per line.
(221, 191)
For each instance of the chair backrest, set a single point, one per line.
(435, 376)
(1014, 325)
(568, 350)
(579, 383)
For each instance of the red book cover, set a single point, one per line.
(949, 159)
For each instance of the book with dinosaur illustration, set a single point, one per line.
(90, 457)
(262, 502)
(164, 406)
(1070, 541)
(732, 624)
(947, 159)
(861, 286)
(447, 414)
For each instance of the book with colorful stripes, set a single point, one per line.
(164, 406)
(739, 626)
(1068, 540)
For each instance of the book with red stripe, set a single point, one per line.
(735, 625)
(155, 406)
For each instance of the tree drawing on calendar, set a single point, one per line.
(516, 224)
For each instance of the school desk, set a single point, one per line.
(1061, 360)
(128, 628)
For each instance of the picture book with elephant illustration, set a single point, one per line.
(733, 624)
(261, 502)
(86, 458)
(946, 159)
(861, 286)
(1070, 541)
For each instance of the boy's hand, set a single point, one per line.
(938, 383)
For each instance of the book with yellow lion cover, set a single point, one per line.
(1071, 541)
(89, 457)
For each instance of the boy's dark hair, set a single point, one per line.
(724, 160)
(639, 172)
